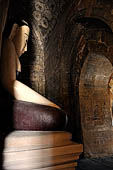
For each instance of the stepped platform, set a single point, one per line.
(40, 150)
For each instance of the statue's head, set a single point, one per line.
(19, 35)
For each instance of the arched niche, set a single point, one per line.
(95, 109)
(91, 9)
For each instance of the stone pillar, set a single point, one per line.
(95, 109)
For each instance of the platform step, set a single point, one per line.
(22, 140)
(40, 151)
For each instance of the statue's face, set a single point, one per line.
(20, 39)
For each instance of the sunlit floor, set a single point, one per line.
(95, 164)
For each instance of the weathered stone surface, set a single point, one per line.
(95, 109)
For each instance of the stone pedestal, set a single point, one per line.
(47, 150)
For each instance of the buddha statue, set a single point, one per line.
(30, 110)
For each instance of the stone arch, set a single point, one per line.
(95, 110)
(96, 118)
(93, 22)
(75, 48)
(92, 9)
